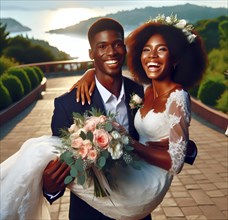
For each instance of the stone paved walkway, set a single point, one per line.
(199, 192)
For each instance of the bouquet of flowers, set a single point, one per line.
(93, 142)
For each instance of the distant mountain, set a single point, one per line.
(13, 26)
(130, 19)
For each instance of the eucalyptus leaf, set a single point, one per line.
(105, 154)
(81, 179)
(101, 162)
(73, 171)
(79, 165)
(83, 135)
(108, 126)
(129, 148)
(69, 160)
(65, 155)
(90, 136)
(68, 179)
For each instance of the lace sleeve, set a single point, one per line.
(179, 116)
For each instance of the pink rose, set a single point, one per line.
(87, 144)
(83, 151)
(91, 122)
(90, 125)
(71, 128)
(77, 133)
(101, 138)
(102, 118)
(77, 142)
(92, 155)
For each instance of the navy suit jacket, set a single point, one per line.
(65, 105)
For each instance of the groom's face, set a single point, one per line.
(108, 52)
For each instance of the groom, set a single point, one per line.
(112, 94)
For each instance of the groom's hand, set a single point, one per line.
(54, 175)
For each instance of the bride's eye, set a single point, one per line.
(163, 48)
(146, 49)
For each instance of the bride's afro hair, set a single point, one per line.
(190, 58)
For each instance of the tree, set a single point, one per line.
(3, 38)
(24, 51)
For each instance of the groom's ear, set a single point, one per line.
(91, 54)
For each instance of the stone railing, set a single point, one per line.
(61, 66)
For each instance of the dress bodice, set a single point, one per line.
(172, 123)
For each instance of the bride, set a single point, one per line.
(169, 62)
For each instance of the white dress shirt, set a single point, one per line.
(114, 105)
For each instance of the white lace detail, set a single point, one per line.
(173, 120)
(181, 98)
(177, 154)
(179, 116)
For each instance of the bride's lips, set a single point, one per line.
(153, 66)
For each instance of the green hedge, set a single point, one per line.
(210, 91)
(5, 99)
(14, 86)
(22, 76)
(222, 103)
(39, 73)
(33, 76)
(194, 91)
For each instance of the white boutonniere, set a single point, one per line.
(135, 101)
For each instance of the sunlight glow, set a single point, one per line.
(62, 18)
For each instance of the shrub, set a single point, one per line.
(194, 91)
(32, 75)
(5, 64)
(22, 76)
(210, 91)
(39, 73)
(5, 99)
(14, 86)
(222, 103)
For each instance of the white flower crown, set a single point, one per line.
(174, 21)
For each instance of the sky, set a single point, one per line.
(117, 4)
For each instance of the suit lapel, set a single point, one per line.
(128, 92)
(97, 101)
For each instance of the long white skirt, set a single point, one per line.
(137, 194)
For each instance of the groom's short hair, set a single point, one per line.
(104, 24)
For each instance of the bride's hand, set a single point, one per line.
(85, 86)
(54, 175)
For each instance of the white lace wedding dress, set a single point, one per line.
(139, 192)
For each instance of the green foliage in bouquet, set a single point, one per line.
(93, 143)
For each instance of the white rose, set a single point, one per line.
(191, 38)
(168, 19)
(116, 152)
(181, 24)
(125, 139)
(115, 134)
(137, 99)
